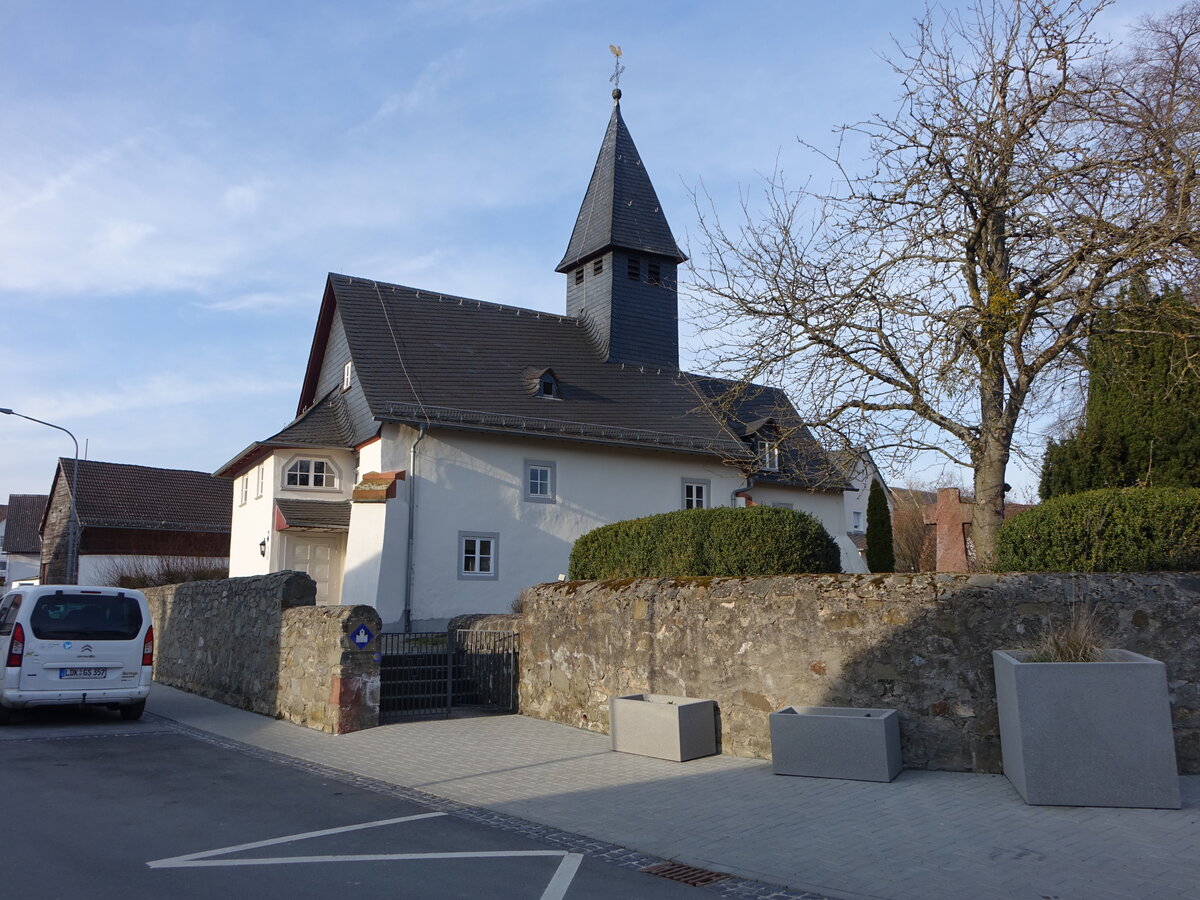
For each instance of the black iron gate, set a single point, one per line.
(430, 674)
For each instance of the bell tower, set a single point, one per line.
(622, 259)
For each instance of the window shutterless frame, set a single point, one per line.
(478, 555)
(314, 473)
(541, 481)
(694, 493)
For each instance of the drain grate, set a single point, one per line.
(685, 874)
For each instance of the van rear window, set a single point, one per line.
(85, 617)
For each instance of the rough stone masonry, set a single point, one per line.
(919, 643)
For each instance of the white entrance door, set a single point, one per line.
(320, 556)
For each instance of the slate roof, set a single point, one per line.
(620, 208)
(421, 356)
(24, 521)
(323, 425)
(325, 514)
(118, 495)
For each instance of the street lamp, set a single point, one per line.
(72, 530)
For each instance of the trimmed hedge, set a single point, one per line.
(1108, 530)
(760, 540)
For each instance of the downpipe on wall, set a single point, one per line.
(410, 560)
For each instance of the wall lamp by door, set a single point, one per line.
(262, 547)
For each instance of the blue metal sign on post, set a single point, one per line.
(362, 637)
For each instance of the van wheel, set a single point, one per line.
(133, 711)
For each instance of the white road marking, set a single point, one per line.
(555, 890)
(352, 857)
(177, 861)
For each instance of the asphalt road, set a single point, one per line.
(103, 809)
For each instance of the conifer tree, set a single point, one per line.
(1142, 419)
(880, 555)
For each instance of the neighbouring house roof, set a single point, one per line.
(3, 512)
(328, 515)
(421, 356)
(21, 534)
(118, 495)
(620, 208)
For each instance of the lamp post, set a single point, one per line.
(72, 530)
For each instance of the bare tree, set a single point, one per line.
(934, 302)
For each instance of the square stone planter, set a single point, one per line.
(658, 725)
(1087, 733)
(836, 742)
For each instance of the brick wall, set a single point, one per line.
(919, 643)
(261, 643)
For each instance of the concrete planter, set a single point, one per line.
(836, 742)
(676, 728)
(1087, 734)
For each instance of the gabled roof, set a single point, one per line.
(424, 357)
(620, 208)
(323, 425)
(24, 520)
(118, 495)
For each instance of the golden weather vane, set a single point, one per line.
(615, 78)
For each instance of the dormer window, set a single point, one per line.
(548, 386)
(768, 455)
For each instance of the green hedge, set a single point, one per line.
(760, 540)
(1109, 530)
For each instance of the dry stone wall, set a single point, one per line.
(919, 643)
(261, 643)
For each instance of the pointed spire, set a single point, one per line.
(620, 208)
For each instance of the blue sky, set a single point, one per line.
(176, 179)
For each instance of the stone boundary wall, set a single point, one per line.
(261, 643)
(918, 643)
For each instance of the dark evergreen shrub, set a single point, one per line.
(1109, 530)
(760, 540)
(881, 557)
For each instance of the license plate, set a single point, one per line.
(82, 673)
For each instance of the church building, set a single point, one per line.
(447, 451)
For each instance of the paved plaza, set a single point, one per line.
(925, 835)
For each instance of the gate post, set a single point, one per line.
(450, 651)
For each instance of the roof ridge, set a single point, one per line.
(443, 297)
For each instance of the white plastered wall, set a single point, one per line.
(474, 483)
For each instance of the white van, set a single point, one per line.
(69, 645)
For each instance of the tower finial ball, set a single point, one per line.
(616, 93)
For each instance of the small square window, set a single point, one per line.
(858, 520)
(635, 269)
(540, 480)
(695, 494)
(598, 266)
(579, 275)
(477, 555)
